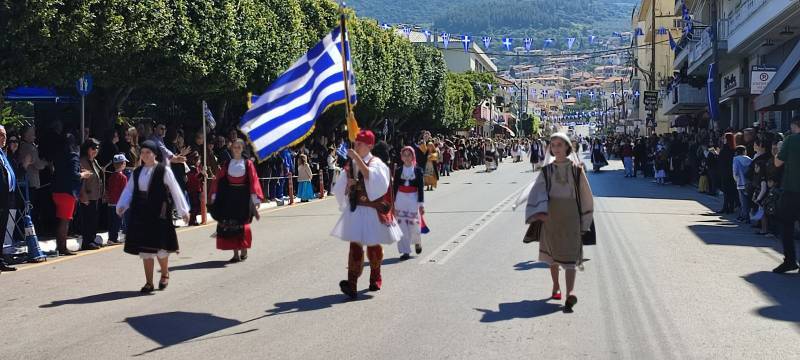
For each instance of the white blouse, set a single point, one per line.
(236, 168)
(144, 183)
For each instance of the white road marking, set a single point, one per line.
(451, 246)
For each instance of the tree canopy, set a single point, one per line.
(171, 54)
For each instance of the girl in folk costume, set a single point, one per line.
(236, 196)
(362, 192)
(562, 200)
(305, 191)
(147, 196)
(409, 195)
(431, 167)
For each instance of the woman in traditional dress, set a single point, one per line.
(305, 191)
(409, 196)
(431, 167)
(598, 158)
(562, 199)
(236, 196)
(151, 233)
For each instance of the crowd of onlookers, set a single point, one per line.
(757, 172)
(73, 186)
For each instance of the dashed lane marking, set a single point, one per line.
(451, 246)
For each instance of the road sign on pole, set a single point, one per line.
(84, 86)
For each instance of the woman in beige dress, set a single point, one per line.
(562, 199)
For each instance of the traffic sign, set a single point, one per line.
(651, 97)
(760, 75)
(84, 85)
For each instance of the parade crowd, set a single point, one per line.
(71, 188)
(756, 172)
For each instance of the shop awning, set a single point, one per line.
(783, 91)
(25, 93)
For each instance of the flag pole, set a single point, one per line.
(343, 25)
(348, 109)
(204, 198)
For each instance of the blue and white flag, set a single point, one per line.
(672, 44)
(489, 86)
(427, 35)
(386, 26)
(446, 39)
(342, 149)
(486, 41)
(528, 44)
(662, 31)
(591, 39)
(465, 41)
(639, 31)
(407, 31)
(548, 42)
(286, 113)
(570, 42)
(208, 116)
(507, 42)
(713, 104)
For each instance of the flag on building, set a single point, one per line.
(570, 42)
(486, 41)
(286, 113)
(672, 44)
(507, 43)
(446, 39)
(465, 41)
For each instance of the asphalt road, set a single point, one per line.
(667, 280)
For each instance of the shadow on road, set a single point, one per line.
(525, 309)
(172, 328)
(783, 290)
(97, 298)
(530, 265)
(312, 304)
(733, 235)
(212, 264)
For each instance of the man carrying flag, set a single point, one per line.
(363, 193)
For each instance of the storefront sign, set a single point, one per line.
(760, 77)
(732, 81)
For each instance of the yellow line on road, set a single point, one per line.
(181, 230)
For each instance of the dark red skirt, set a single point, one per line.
(236, 243)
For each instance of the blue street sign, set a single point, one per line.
(84, 85)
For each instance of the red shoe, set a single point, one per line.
(556, 295)
(376, 285)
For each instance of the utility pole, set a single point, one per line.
(652, 83)
(715, 59)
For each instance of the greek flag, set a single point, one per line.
(208, 116)
(285, 114)
(342, 149)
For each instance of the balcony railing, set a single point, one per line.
(683, 98)
(699, 49)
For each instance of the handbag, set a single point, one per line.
(535, 228)
(589, 237)
(533, 233)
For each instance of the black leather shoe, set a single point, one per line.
(4, 267)
(785, 267)
(344, 285)
(90, 246)
(405, 257)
